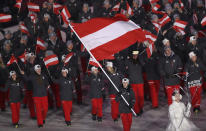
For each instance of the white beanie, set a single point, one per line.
(12, 73)
(125, 80)
(165, 41)
(36, 67)
(191, 54)
(94, 68)
(109, 64)
(174, 93)
(135, 52)
(65, 70)
(63, 57)
(192, 38)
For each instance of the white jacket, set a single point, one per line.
(178, 115)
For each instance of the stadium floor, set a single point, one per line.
(156, 120)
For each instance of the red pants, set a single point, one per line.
(67, 108)
(154, 86)
(126, 121)
(169, 90)
(41, 104)
(139, 96)
(196, 95)
(30, 103)
(114, 107)
(97, 106)
(15, 110)
(2, 100)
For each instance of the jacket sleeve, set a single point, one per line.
(161, 68)
(132, 98)
(202, 66)
(5, 89)
(179, 65)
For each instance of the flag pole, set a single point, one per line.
(18, 66)
(102, 69)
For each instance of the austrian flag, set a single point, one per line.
(40, 44)
(93, 62)
(104, 37)
(18, 4)
(5, 18)
(33, 7)
(179, 26)
(164, 20)
(24, 29)
(23, 57)
(12, 60)
(57, 7)
(116, 7)
(51, 60)
(68, 58)
(203, 21)
(65, 15)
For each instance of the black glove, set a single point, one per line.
(130, 106)
(119, 93)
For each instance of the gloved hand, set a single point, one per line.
(119, 93)
(189, 106)
(130, 106)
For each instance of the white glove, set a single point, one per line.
(189, 106)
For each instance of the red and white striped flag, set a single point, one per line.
(33, 18)
(107, 36)
(51, 60)
(57, 7)
(181, 4)
(93, 62)
(164, 20)
(157, 26)
(153, 1)
(24, 29)
(65, 15)
(116, 7)
(18, 4)
(12, 60)
(156, 8)
(68, 58)
(40, 44)
(5, 18)
(179, 26)
(150, 50)
(129, 10)
(151, 38)
(23, 57)
(203, 21)
(33, 7)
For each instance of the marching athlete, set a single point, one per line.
(124, 109)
